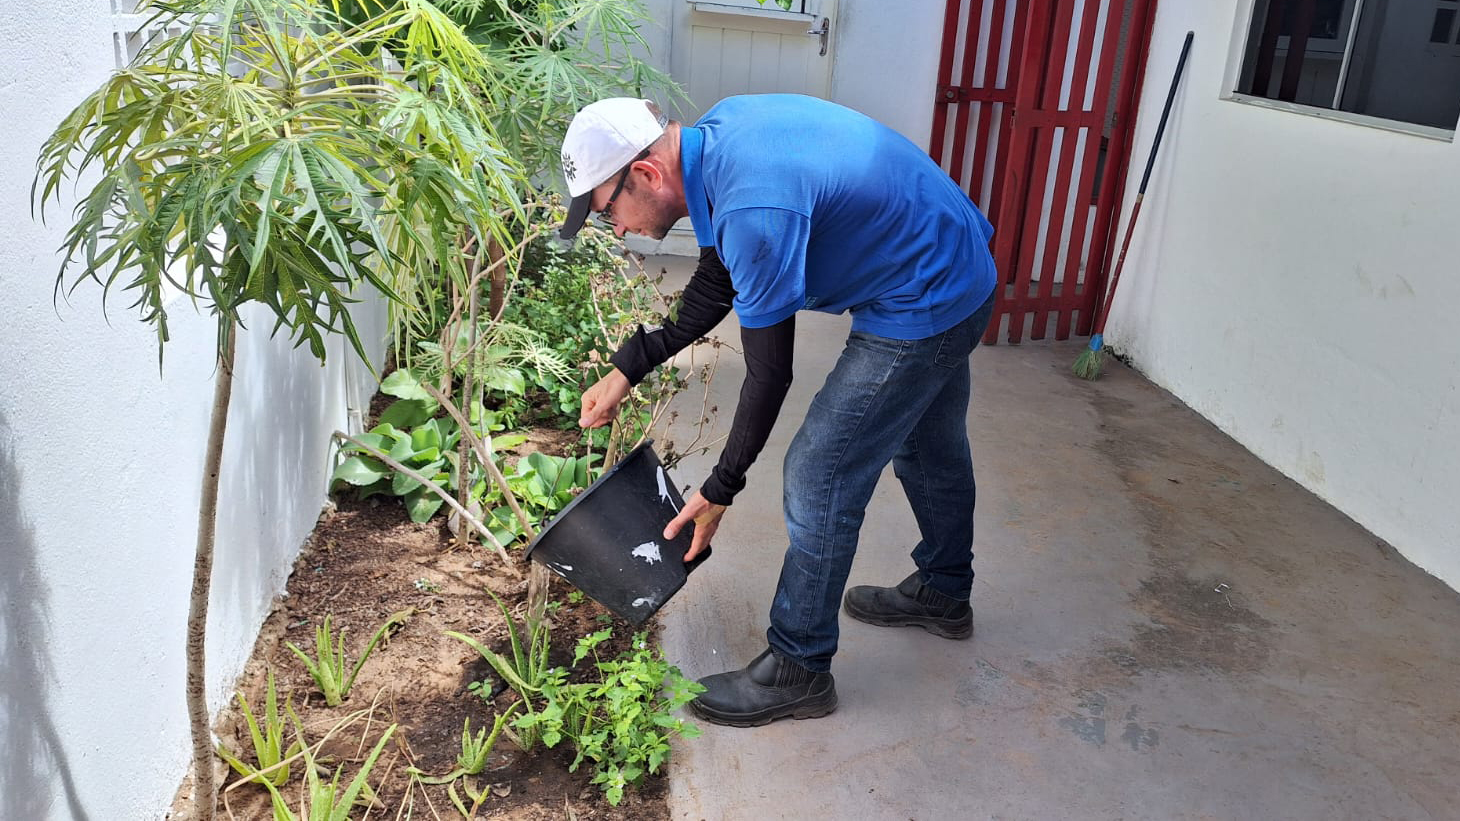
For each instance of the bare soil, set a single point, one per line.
(366, 561)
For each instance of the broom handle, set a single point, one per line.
(1141, 192)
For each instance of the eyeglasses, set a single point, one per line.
(606, 213)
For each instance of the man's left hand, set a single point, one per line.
(706, 516)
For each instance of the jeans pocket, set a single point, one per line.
(955, 346)
(960, 340)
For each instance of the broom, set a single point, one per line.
(1089, 363)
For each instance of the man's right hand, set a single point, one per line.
(600, 402)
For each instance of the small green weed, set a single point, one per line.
(482, 688)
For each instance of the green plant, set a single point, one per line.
(483, 689)
(251, 122)
(477, 796)
(527, 671)
(269, 754)
(505, 360)
(588, 298)
(410, 434)
(258, 151)
(550, 57)
(543, 485)
(330, 669)
(575, 597)
(425, 447)
(622, 723)
(476, 749)
(555, 296)
(323, 801)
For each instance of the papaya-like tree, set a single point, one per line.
(273, 152)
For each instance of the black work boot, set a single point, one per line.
(910, 604)
(769, 688)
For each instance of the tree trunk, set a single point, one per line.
(498, 294)
(464, 533)
(539, 580)
(205, 790)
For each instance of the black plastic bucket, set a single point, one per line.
(609, 541)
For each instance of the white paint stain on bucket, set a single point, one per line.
(648, 551)
(664, 490)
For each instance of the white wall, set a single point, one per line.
(885, 56)
(1294, 280)
(887, 62)
(100, 468)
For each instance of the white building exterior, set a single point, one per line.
(1292, 279)
(101, 463)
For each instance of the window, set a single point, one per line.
(1391, 59)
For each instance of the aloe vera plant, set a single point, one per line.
(323, 801)
(267, 733)
(527, 671)
(330, 668)
(476, 748)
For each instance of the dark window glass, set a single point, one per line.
(1444, 18)
(1394, 59)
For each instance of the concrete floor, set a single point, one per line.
(1107, 677)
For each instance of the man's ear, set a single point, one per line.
(653, 173)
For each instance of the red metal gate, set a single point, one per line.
(1036, 102)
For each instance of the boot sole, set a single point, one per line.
(941, 628)
(814, 706)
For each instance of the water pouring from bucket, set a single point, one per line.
(609, 541)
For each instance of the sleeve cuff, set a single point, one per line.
(630, 359)
(719, 489)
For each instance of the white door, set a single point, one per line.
(729, 47)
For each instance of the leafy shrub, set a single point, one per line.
(543, 486)
(622, 723)
(577, 298)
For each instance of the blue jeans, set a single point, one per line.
(904, 401)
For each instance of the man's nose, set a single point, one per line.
(619, 230)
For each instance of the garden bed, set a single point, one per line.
(384, 555)
(367, 561)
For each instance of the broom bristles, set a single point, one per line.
(1089, 363)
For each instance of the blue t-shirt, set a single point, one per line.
(813, 205)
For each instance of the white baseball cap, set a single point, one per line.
(603, 138)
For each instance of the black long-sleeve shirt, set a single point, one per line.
(707, 299)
